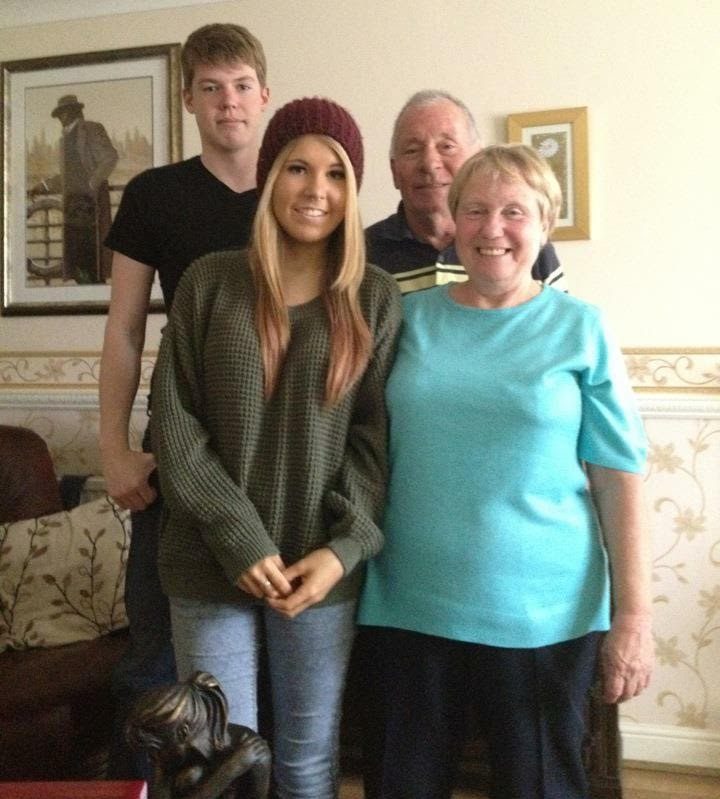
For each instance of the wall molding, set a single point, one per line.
(49, 400)
(670, 746)
(689, 407)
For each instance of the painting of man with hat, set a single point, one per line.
(87, 157)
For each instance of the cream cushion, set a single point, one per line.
(62, 577)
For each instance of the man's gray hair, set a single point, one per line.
(430, 97)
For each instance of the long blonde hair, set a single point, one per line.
(350, 337)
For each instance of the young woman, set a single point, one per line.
(271, 440)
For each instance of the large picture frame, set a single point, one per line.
(75, 129)
(561, 136)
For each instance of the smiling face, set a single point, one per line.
(310, 191)
(227, 101)
(499, 231)
(433, 141)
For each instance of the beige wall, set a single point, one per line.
(646, 69)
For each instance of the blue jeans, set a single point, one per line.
(307, 659)
(149, 660)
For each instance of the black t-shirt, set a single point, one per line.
(171, 215)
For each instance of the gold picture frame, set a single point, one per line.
(561, 136)
(75, 129)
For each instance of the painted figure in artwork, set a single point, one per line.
(87, 157)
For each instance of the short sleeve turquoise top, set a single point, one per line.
(491, 535)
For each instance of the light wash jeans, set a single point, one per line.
(308, 659)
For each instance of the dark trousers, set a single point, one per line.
(530, 703)
(149, 660)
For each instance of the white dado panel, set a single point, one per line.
(677, 721)
(69, 423)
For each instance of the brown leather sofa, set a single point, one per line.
(56, 707)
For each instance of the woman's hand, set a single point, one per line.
(313, 577)
(627, 657)
(266, 578)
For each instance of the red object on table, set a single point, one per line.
(96, 789)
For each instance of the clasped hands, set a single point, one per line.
(291, 589)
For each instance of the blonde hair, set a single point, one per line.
(350, 337)
(512, 162)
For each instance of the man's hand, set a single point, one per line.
(126, 478)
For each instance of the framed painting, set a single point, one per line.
(562, 138)
(75, 129)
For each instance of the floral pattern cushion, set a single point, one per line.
(62, 577)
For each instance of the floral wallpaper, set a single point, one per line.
(683, 499)
(679, 395)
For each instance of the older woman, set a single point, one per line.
(516, 456)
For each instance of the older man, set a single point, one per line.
(434, 135)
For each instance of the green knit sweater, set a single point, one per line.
(245, 478)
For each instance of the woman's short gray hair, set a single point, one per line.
(512, 162)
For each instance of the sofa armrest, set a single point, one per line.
(28, 486)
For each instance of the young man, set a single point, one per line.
(168, 217)
(434, 135)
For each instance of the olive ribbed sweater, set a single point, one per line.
(244, 478)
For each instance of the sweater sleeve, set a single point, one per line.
(194, 482)
(356, 502)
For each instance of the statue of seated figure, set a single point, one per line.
(195, 752)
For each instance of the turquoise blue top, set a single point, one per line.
(490, 532)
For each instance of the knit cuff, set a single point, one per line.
(349, 552)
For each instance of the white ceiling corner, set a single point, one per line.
(17, 13)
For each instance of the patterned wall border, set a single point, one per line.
(59, 370)
(687, 370)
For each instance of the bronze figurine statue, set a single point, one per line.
(195, 752)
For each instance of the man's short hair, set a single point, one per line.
(430, 97)
(222, 43)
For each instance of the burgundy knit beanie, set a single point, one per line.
(309, 115)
